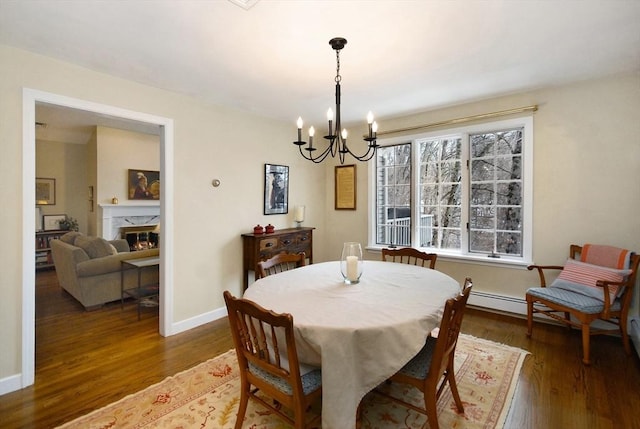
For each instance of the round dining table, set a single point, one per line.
(359, 334)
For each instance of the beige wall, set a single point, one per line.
(66, 163)
(117, 152)
(209, 142)
(587, 160)
(586, 176)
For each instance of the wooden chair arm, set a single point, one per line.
(604, 284)
(541, 269)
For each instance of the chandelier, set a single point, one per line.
(337, 141)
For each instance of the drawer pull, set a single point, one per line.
(268, 244)
(287, 241)
(303, 238)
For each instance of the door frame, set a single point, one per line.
(29, 99)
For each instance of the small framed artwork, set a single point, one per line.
(345, 193)
(45, 191)
(52, 222)
(144, 185)
(276, 189)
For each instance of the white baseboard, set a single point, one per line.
(10, 384)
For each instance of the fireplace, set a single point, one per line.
(115, 217)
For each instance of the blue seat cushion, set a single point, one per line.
(574, 300)
(418, 366)
(311, 381)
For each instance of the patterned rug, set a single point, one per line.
(207, 396)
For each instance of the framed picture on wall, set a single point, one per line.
(276, 189)
(52, 222)
(144, 185)
(45, 191)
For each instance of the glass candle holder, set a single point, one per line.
(351, 263)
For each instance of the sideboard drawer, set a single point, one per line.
(269, 244)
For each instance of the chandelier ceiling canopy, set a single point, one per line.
(337, 141)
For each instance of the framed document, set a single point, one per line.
(345, 193)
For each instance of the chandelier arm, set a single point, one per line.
(317, 159)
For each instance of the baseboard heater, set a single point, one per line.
(500, 303)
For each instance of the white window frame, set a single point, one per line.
(526, 122)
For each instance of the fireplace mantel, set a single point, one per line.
(113, 216)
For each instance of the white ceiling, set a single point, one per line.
(273, 58)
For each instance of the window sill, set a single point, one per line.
(502, 262)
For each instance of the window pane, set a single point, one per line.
(495, 211)
(393, 195)
(440, 186)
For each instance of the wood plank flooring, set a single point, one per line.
(86, 360)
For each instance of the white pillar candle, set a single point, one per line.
(299, 214)
(352, 268)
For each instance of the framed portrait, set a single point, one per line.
(276, 189)
(345, 193)
(52, 222)
(45, 191)
(143, 185)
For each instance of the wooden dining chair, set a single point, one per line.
(281, 262)
(596, 283)
(409, 255)
(268, 361)
(431, 369)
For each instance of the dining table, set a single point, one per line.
(358, 334)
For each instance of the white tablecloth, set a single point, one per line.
(359, 334)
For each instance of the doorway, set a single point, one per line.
(30, 99)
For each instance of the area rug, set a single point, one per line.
(207, 396)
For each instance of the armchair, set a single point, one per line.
(595, 283)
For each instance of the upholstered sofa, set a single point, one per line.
(90, 268)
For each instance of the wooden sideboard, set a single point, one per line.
(258, 247)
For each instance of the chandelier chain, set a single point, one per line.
(338, 77)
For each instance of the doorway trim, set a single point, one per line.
(29, 99)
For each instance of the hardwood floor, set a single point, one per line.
(86, 360)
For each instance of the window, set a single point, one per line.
(463, 192)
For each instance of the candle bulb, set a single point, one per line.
(330, 119)
(344, 134)
(299, 123)
(374, 128)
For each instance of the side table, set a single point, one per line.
(144, 294)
